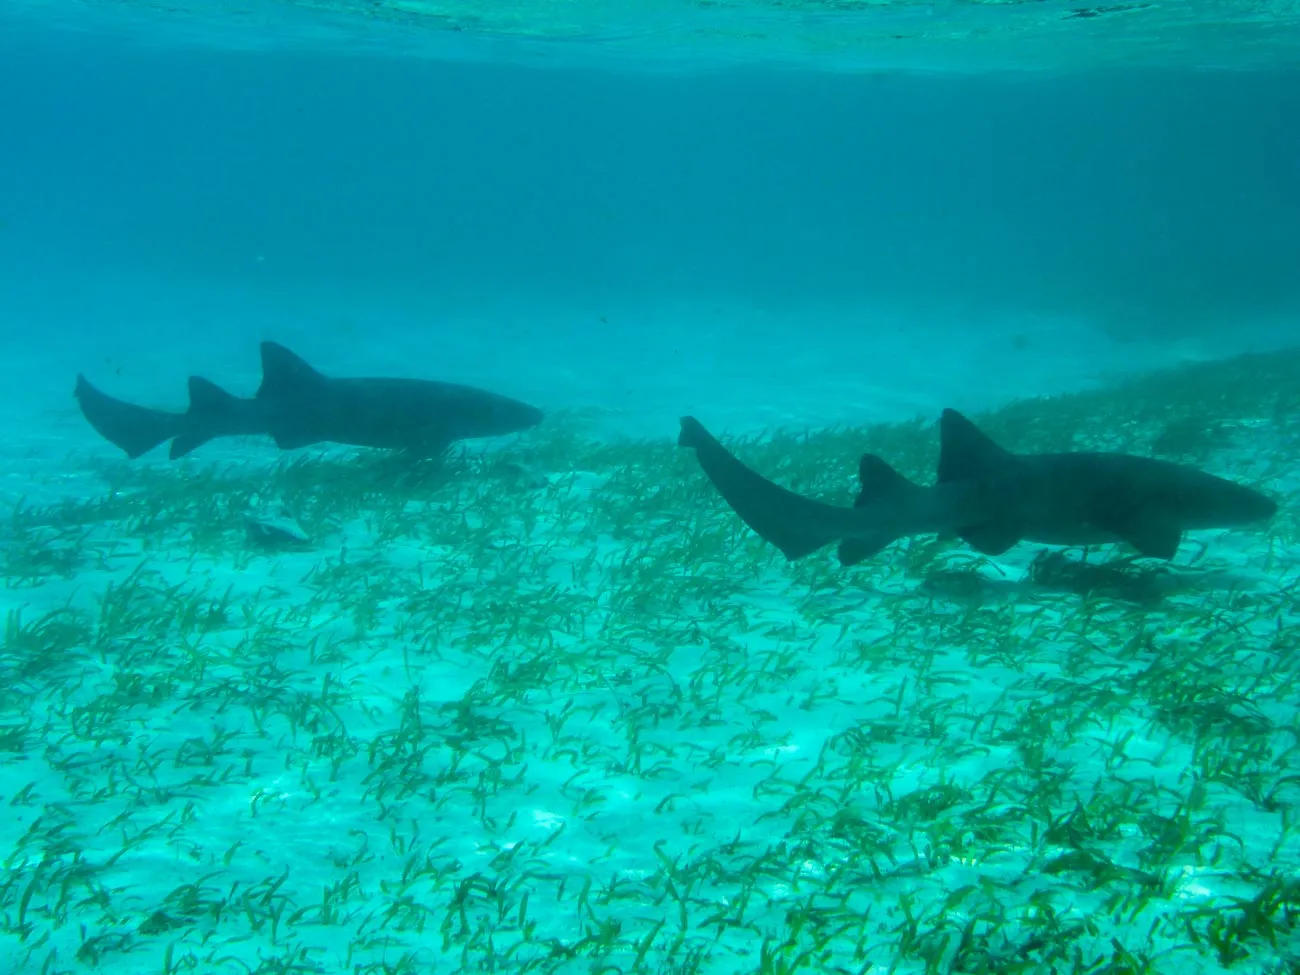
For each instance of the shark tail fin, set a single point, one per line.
(796, 525)
(210, 406)
(694, 436)
(135, 430)
(881, 484)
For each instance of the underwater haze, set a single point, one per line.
(1059, 226)
(294, 702)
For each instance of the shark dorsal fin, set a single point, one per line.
(966, 452)
(206, 396)
(283, 370)
(207, 416)
(880, 482)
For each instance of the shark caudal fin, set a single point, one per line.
(796, 525)
(135, 430)
(967, 453)
(212, 413)
(881, 484)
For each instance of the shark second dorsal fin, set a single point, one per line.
(880, 482)
(966, 452)
(206, 418)
(206, 396)
(284, 371)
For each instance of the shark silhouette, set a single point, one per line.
(989, 497)
(136, 430)
(297, 406)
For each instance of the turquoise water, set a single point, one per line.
(549, 705)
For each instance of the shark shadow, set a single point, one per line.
(296, 406)
(989, 497)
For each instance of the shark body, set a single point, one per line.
(296, 405)
(303, 406)
(989, 497)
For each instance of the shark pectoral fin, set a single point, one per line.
(186, 443)
(1153, 536)
(993, 538)
(855, 550)
(289, 437)
(796, 525)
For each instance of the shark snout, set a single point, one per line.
(532, 417)
(1228, 505)
(1256, 507)
(512, 416)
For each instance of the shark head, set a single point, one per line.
(497, 415)
(1213, 502)
(1083, 497)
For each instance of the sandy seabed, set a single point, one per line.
(550, 707)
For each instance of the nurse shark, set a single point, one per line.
(296, 405)
(989, 497)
